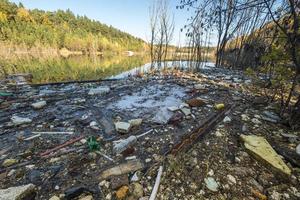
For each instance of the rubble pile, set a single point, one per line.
(115, 140)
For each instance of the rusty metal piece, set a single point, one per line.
(72, 141)
(189, 139)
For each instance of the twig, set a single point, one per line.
(156, 185)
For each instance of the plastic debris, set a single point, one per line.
(157, 183)
(99, 90)
(121, 145)
(219, 106)
(20, 120)
(122, 127)
(93, 144)
(124, 168)
(39, 105)
(211, 184)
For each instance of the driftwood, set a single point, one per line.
(188, 140)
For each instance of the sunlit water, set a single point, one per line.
(88, 68)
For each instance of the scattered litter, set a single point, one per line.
(211, 184)
(173, 108)
(122, 127)
(186, 111)
(99, 90)
(9, 162)
(54, 133)
(157, 183)
(135, 122)
(121, 145)
(20, 120)
(39, 105)
(219, 106)
(124, 168)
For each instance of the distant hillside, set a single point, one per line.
(60, 29)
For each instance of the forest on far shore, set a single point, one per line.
(60, 29)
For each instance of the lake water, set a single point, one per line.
(86, 68)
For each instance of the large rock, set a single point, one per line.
(263, 151)
(18, 193)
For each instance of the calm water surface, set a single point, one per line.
(86, 68)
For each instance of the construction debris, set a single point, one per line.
(261, 149)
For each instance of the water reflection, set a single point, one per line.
(89, 68)
(182, 65)
(74, 68)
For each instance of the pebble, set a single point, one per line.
(137, 190)
(11, 172)
(227, 119)
(108, 196)
(245, 117)
(298, 149)
(255, 121)
(211, 172)
(54, 198)
(231, 179)
(89, 197)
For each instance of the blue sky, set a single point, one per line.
(131, 16)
